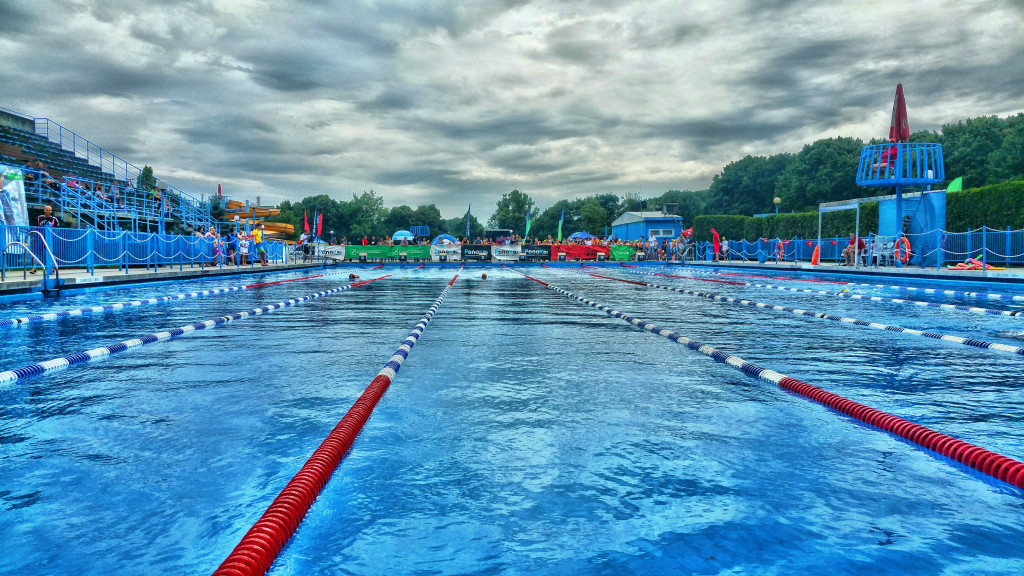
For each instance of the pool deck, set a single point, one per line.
(16, 282)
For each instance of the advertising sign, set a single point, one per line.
(506, 253)
(449, 251)
(478, 253)
(535, 252)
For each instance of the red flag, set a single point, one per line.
(305, 222)
(809, 244)
(319, 224)
(219, 195)
(833, 242)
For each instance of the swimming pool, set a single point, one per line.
(525, 433)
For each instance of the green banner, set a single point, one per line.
(417, 251)
(621, 252)
(382, 252)
(372, 252)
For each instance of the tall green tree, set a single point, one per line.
(511, 211)
(747, 186)
(368, 215)
(823, 171)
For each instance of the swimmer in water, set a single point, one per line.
(483, 276)
(352, 276)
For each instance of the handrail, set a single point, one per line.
(3, 265)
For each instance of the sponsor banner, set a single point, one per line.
(475, 252)
(13, 206)
(619, 252)
(412, 252)
(535, 252)
(372, 252)
(449, 251)
(506, 253)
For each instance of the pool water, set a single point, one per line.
(525, 434)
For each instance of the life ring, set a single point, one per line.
(780, 251)
(903, 256)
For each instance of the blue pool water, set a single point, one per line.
(525, 434)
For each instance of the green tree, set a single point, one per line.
(1007, 162)
(400, 217)
(511, 212)
(368, 215)
(217, 210)
(593, 217)
(966, 147)
(457, 227)
(747, 186)
(429, 215)
(821, 172)
(145, 180)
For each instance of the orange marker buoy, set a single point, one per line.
(816, 255)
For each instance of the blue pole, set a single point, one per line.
(1007, 245)
(939, 252)
(89, 248)
(984, 247)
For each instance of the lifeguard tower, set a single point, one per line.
(900, 164)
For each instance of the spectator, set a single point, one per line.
(243, 247)
(257, 236)
(852, 249)
(231, 245)
(716, 243)
(44, 220)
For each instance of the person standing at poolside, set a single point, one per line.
(716, 242)
(257, 236)
(44, 220)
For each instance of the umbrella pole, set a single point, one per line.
(899, 221)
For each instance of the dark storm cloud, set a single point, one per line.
(456, 102)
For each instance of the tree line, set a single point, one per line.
(984, 151)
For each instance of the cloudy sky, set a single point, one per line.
(453, 102)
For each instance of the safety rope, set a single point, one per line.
(263, 542)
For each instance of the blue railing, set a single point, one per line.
(901, 164)
(91, 248)
(991, 246)
(194, 212)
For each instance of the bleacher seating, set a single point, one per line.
(128, 208)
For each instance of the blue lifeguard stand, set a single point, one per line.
(899, 165)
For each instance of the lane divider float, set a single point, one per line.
(845, 320)
(8, 322)
(102, 351)
(263, 542)
(955, 293)
(972, 309)
(1001, 467)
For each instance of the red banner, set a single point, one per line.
(579, 252)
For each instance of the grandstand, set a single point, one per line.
(89, 186)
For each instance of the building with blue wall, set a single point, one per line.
(637, 225)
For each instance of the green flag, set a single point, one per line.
(527, 233)
(562, 217)
(956, 185)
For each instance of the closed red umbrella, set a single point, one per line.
(899, 126)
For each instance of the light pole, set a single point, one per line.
(777, 201)
(236, 224)
(332, 237)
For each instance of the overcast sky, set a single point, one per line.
(459, 102)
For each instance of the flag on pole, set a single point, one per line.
(560, 219)
(305, 222)
(527, 233)
(319, 224)
(467, 221)
(219, 195)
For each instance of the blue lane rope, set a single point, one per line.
(972, 309)
(9, 322)
(956, 293)
(845, 320)
(107, 307)
(88, 355)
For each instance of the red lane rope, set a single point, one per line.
(703, 279)
(542, 266)
(263, 542)
(530, 277)
(627, 265)
(282, 281)
(996, 465)
(420, 266)
(619, 279)
(378, 266)
(782, 278)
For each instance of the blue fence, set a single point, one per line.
(91, 248)
(993, 247)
